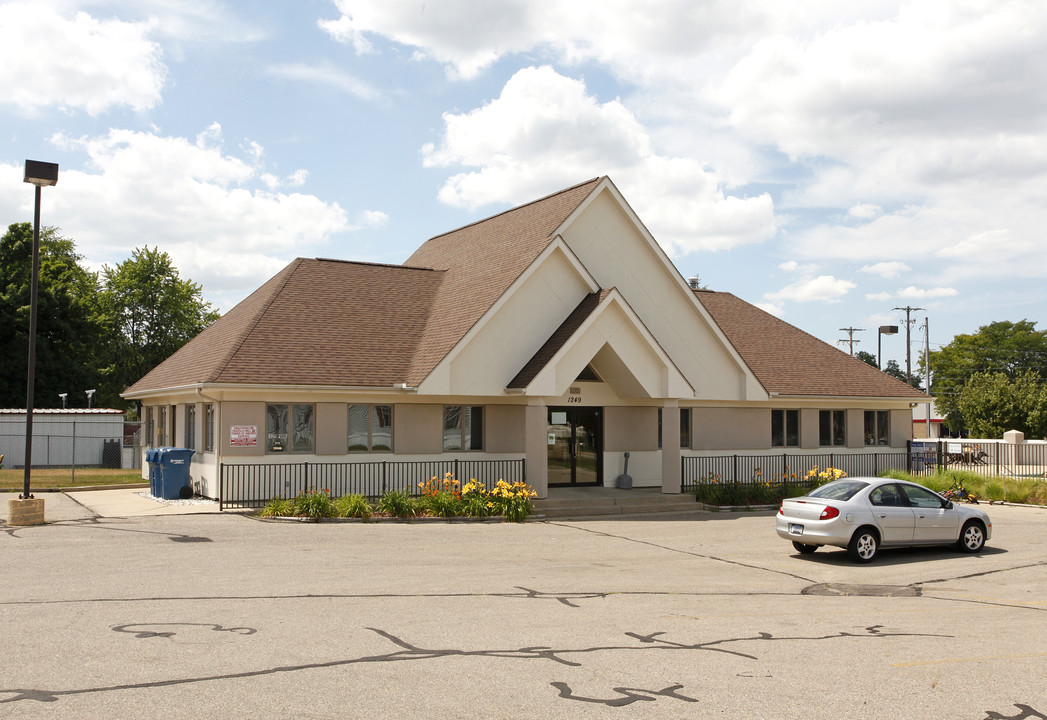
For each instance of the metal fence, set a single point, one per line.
(985, 457)
(784, 468)
(253, 485)
(68, 450)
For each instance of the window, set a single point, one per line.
(922, 498)
(463, 427)
(685, 428)
(785, 428)
(209, 427)
(832, 427)
(887, 496)
(161, 423)
(190, 427)
(876, 428)
(289, 428)
(150, 428)
(370, 428)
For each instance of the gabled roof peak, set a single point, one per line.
(590, 181)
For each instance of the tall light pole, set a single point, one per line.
(884, 330)
(40, 174)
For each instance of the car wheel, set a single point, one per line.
(863, 545)
(972, 537)
(804, 549)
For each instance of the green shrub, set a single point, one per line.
(314, 504)
(353, 506)
(441, 504)
(397, 504)
(278, 507)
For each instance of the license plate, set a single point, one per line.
(795, 529)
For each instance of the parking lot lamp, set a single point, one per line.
(884, 330)
(40, 174)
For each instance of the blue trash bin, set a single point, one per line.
(152, 456)
(174, 473)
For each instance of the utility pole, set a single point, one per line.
(908, 345)
(850, 337)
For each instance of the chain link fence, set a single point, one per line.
(71, 450)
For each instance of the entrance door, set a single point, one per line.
(575, 446)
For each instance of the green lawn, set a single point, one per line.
(50, 478)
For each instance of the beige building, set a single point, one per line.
(557, 336)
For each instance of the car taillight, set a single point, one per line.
(781, 509)
(829, 513)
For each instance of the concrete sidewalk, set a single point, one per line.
(119, 502)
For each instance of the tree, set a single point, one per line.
(67, 329)
(149, 312)
(999, 347)
(993, 403)
(867, 357)
(895, 371)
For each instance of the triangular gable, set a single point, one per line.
(605, 332)
(482, 261)
(618, 251)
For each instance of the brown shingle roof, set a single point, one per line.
(788, 361)
(318, 322)
(329, 322)
(558, 339)
(482, 260)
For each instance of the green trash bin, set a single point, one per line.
(174, 473)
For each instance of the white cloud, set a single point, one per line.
(824, 288)
(864, 211)
(879, 297)
(887, 269)
(468, 37)
(212, 211)
(545, 132)
(914, 293)
(327, 75)
(76, 62)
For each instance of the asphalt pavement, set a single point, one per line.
(703, 616)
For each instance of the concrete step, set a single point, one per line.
(599, 502)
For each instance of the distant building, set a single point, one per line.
(63, 438)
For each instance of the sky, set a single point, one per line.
(826, 161)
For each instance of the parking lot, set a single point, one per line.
(707, 615)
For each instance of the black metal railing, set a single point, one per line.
(253, 485)
(920, 458)
(784, 467)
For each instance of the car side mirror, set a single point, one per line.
(947, 505)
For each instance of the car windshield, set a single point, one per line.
(838, 490)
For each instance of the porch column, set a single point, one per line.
(536, 434)
(671, 481)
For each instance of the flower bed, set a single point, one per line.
(441, 498)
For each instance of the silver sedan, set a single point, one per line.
(864, 514)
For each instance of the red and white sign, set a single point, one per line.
(243, 436)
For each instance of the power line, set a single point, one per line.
(850, 337)
(908, 344)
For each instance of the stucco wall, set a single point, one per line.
(332, 428)
(504, 428)
(418, 428)
(242, 413)
(630, 428)
(730, 429)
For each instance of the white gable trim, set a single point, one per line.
(661, 379)
(750, 381)
(439, 381)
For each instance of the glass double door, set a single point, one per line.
(575, 446)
